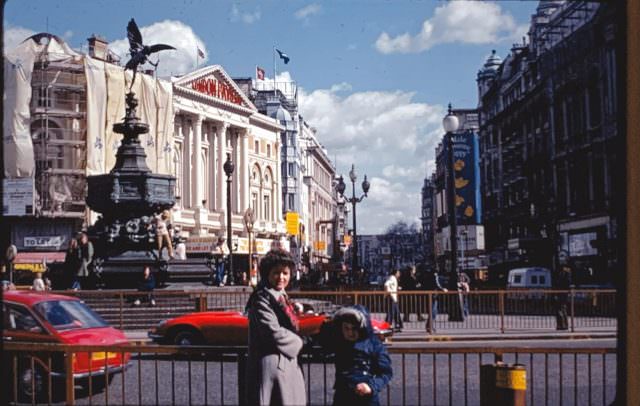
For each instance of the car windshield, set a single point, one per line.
(69, 315)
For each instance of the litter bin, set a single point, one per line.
(503, 384)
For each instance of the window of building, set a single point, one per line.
(267, 207)
(256, 146)
(44, 97)
(291, 204)
(268, 150)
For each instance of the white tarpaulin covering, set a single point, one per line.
(18, 68)
(96, 115)
(106, 88)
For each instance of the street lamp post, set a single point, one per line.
(340, 187)
(450, 124)
(228, 170)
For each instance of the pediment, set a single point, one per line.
(214, 82)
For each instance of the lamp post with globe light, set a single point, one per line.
(228, 170)
(450, 124)
(340, 187)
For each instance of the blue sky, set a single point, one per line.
(375, 75)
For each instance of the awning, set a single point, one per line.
(39, 257)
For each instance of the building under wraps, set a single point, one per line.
(59, 111)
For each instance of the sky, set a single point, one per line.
(374, 76)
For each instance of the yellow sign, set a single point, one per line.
(511, 379)
(320, 245)
(33, 267)
(292, 222)
(347, 240)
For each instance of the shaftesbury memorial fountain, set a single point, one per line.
(129, 197)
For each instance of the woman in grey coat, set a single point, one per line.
(274, 376)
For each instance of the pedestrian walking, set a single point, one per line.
(274, 375)
(464, 288)
(72, 265)
(147, 284)
(393, 309)
(432, 284)
(9, 257)
(218, 262)
(562, 281)
(85, 248)
(362, 364)
(409, 282)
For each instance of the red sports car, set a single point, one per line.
(231, 328)
(39, 317)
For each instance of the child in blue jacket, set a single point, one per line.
(363, 366)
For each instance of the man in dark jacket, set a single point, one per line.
(562, 281)
(363, 366)
(432, 283)
(147, 285)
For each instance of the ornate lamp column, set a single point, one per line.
(228, 170)
(340, 187)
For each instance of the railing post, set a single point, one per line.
(430, 313)
(121, 310)
(501, 305)
(69, 384)
(355, 297)
(242, 370)
(572, 307)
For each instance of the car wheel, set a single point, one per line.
(32, 384)
(187, 337)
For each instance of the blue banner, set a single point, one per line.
(466, 163)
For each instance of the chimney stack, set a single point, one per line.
(98, 48)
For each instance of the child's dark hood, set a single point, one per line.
(358, 312)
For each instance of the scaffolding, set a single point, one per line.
(58, 131)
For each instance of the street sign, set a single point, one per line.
(292, 222)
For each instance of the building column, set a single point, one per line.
(200, 212)
(197, 161)
(277, 185)
(221, 151)
(186, 164)
(244, 170)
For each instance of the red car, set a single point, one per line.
(40, 317)
(231, 328)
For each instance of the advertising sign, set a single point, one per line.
(293, 219)
(17, 197)
(467, 177)
(44, 242)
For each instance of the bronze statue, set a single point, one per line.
(138, 51)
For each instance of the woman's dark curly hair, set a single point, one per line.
(275, 258)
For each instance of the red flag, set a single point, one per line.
(259, 73)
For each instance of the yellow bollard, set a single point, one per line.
(503, 384)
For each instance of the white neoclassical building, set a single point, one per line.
(213, 118)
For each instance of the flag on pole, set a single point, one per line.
(259, 73)
(200, 53)
(283, 56)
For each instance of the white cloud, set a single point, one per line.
(388, 136)
(170, 32)
(245, 17)
(474, 22)
(307, 11)
(13, 36)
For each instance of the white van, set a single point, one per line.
(529, 278)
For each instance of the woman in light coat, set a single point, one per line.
(274, 376)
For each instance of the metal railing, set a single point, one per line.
(215, 375)
(490, 311)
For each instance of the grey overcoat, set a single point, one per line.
(274, 376)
